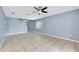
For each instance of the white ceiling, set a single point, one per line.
(28, 12)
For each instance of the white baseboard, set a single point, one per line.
(59, 37)
(2, 43)
(8, 34)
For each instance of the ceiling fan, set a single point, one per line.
(41, 10)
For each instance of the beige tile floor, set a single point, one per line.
(34, 42)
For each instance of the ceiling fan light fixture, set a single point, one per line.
(39, 12)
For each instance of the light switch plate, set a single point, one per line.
(39, 25)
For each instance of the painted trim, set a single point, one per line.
(59, 37)
(9, 34)
(2, 43)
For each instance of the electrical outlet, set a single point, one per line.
(39, 25)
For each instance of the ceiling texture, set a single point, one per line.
(29, 13)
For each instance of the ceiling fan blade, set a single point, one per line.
(36, 8)
(44, 8)
(44, 11)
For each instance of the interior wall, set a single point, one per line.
(15, 26)
(2, 27)
(64, 25)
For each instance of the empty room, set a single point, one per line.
(39, 28)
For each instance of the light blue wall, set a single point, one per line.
(64, 25)
(3, 26)
(15, 26)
